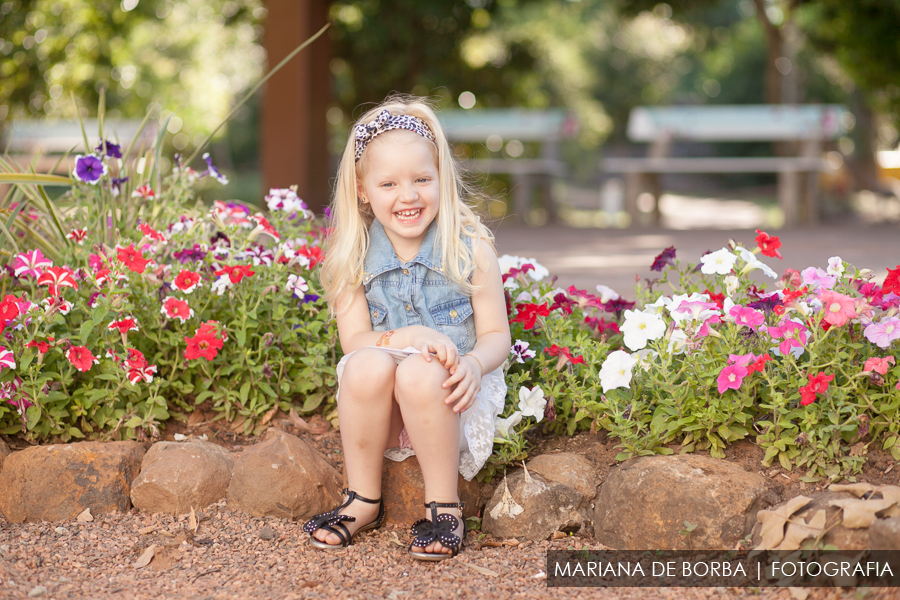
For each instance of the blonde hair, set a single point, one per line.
(344, 264)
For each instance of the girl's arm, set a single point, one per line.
(355, 330)
(491, 331)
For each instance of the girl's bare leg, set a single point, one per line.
(433, 430)
(367, 414)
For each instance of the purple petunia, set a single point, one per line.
(113, 150)
(211, 170)
(187, 255)
(666, 257)
(309, 298)
(115, 185)
(89, 168)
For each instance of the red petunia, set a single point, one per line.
(818, 384)
(203, 344)
(151, 233)
(769, 245)
(601, 324)
(264, 226)
(57, 277)
(759, 364)
(187, 281)
(42, 347)
(78, 236)
(892, 282)
(236, 273)
(133, 259)
(719, 299)
(144, 373)
(136, 359)
(81, 358)
(9, 309)
(124, 325)
(528, 314)
(144, 191)
(174, 308)
(313, 253)
(564, 355)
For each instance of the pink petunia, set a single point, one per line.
(817, 278)
(792, 334)
(731, 377)
(837, 308)
(7, 360)
(741, 360)
(884, 332)
(744, 315)
(878, 365)
(31, 264)
(174, 308)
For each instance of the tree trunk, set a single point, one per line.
(294, 148)
(863, 164)
(774, 43)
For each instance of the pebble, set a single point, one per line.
(61, 530)
(36, 591)
(267, 533)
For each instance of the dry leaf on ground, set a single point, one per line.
(392, 538)
(481, 570)
(147, 529)
(507, 507)
(145, 558)
(193, 523)
(860, 514)
(773, 521)
(799, 530)
(85, 516)
(857, 489)
(799, 593)
(302, 425)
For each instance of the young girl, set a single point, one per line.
(413, 279)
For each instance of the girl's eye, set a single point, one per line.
(424, 179)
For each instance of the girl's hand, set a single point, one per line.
(467, 378)
(443, 349)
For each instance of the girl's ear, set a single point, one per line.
(360, 191)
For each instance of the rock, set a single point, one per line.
(267, 533)
(842, 537)
(644, 503)
(36, 591)
(533, 508)
(57, 482)
(884, 534)
(571, 470)
(283, 476)
(402, 488)
(178, 476)
(4, 452)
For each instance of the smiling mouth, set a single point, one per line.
(408, 215)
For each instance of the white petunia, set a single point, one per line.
(754, 263)
(645, 358)
(221, 284)
(641, 327)
(835, 266)
(731, 284)
(521, 352)
(607, 294)
(720, 262)
(532, 402)
(297, 285)
(677, 341)
(503, 426)
(616, 370)
(508, 263)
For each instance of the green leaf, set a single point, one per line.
(34, 179)
(32, 416)
(85, 331)
(245, 392)
(312, 402)
(241, 336)
(771, 452)
(134, 422)
(267, 389)
(75, 432)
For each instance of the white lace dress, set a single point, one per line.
(476, 439)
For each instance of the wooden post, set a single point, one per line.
(294, 140)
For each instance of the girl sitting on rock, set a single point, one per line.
(413, 279)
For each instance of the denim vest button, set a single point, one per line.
(408, 307)
(453, 314)
(406, 271)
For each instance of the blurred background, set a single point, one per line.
(592, 61)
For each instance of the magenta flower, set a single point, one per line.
(884, 332)
(731, 377)
(744, 315)
(792, 334)
(741, 360)
(878, 364)
(815, 277)
(837, 308)
(31, 264)
(7, 360)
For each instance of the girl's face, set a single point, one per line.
(401, 184)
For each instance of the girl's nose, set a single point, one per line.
(408, 193)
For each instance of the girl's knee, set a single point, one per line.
(419, 380)
(368, 369)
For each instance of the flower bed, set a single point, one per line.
(135, 301)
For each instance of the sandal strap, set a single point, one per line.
(459, 504)
(354, 496)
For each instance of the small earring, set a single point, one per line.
(363, 200)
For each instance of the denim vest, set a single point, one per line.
(415, 293)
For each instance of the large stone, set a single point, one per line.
(884, 534)
(571, 470)
(533, 507)
(403, 490)
(4, 452)
(57, 482)
(644, 503)
(841, 537)
(283, 476)
(178, 476)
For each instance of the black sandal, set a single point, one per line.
(330, 521)
(441, 529)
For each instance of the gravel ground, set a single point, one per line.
(233, 555)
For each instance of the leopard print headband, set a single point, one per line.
(385, 121)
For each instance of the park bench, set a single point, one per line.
(807, 127)
(513, 127)
(49, 139)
